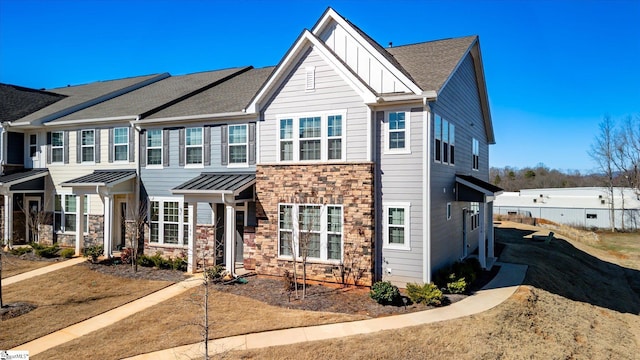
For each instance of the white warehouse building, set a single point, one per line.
(587, 207)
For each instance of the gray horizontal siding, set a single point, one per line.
(331, 93)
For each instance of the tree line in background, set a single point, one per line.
(540, 176)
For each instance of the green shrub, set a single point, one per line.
(21, 250)
(145, 260)
(48, 251)
(67, 253)
(427, 294)
(214, 273)
(384, 292)
(93, 252)
(179, 263)
(457, 286)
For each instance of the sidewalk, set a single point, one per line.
(494, 293)
(42, 270)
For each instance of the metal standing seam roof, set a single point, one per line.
(230, 183)
(22, 176)
(478, 185)
(102, 178)
(153, 96)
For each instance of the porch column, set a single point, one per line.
(490, 232)
(230, 237)
(108, 225)
(191, 247)
(8, 215)
(79, 224)
(482, 247)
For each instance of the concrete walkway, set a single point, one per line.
(494, 293)
(42, 270)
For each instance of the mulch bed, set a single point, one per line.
(115, 268)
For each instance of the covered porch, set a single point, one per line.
(471, 189)
(116, 190)
(229, 196)
(22, 197)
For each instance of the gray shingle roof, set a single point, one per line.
(18, 101)
(18, 177)
(217, 183)
(230, 96)
(102, 178)
(81, 96)
(151, 97)
(430, 64)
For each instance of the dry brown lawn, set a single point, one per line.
(65, 297)
(574, 305)
(175, 322)
(12, 266)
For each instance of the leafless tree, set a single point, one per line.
(135, 222)
(603, 152)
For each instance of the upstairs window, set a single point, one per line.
(310, 138)
(437, 126)
(475, 154)
(286, 139)
(88, 145)
(57, 146)
(397, 131)
(444, 141)
(238, 144)
(334, 135)
(154, 147)
(33, 145)
(121, 144)
(193, 143)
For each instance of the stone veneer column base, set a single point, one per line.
(347, 184)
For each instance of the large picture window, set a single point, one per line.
(312, 138)
(121, 144)
(154, 147)
(397, 226)
(193, 145)
(88, 145)
(57, 146)
(168, 222)
(315, 228)
(65, 213)
(238, 144)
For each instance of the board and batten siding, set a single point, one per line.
(401, 182)
(331, 93)
(458, 103)
(158, 182)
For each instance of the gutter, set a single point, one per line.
(234, 114)
(84, 121)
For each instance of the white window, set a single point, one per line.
(121, 144)
(444, 141)
(65, 212)
(33, 145)
(475, 157)
(397, 226)
(448, 211)
(316, 228)
(193, 145)
(397, 133)
(154, 147)
(238, 144)
(319, 137)
(57, 146)
(88, 145)
(474, 212)
(168, 222)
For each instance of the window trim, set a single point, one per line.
(182, 242)
(187, 147)
(407, 133)
(324, 232)
(64, 212)
(295, 138)
(407, 225)
(147, 148)
(245, 144)
(60, 148)
(115, 144)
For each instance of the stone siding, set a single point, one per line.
(349, 185)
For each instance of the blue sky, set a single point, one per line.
(553, 68)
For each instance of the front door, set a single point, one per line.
(33, 217)
(239, 236)
(121, 220)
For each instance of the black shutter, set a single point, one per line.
(165, 147)
(48, 147)
(96, 147)
(207, 146)
(66, 147)
(132, 144)
(223, 145)
(78, 147)
(181, 155)
(143, 149)
(111, 150)
(252, 143)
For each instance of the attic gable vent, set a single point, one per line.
(310, 78)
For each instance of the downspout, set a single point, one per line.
(136, 191)
(426, 193)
